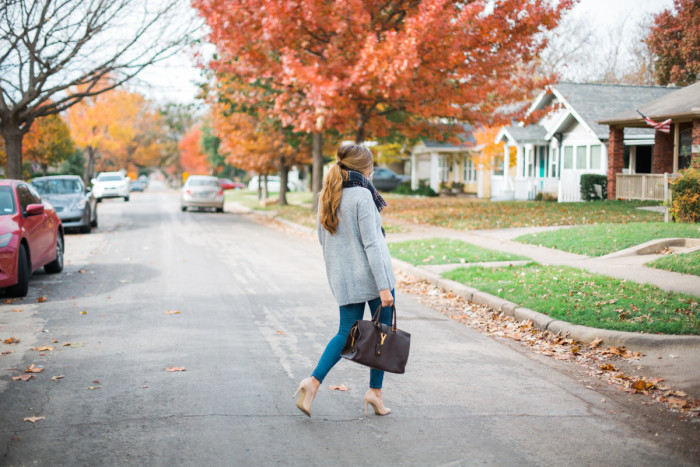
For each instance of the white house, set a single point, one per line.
(566, 141)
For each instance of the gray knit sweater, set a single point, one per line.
(358, 264)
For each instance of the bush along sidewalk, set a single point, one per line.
(593, 300)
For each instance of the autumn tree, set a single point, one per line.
(488, 153)
(674, 40)
(177, 119)
(48, 142)
(50, 46)
(118, 130)
(373, 69)
(192, 159)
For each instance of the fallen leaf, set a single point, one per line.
(608, 367)
(124, 281)
(9, 300)
(74, 344)
(675, 356)
(42, 299)
(22, 377)
(54, 341)
(83, 312)
(93, 387)
(34, 419)
(42, 348)
(638, 385)
(595, 343)
(96, 381)
(279, 333)
(17, 310)
(342, 387)
(172, 312)
(143, 387)
(82, 271)
(8, 352)
(678, 403)
(33, 369)
(574, 350)
(459, 317)
(55, 378)
(176, 368)
(11, 340)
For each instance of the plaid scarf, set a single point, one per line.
(357, 179)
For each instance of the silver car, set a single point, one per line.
(202, 191)
(75, 206)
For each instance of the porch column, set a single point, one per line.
(434, 171)
(616, 157)
(414, 172)
(662, 153)
(506, 166)
(695, 148)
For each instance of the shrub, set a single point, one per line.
(588, 183)
(686, 196)
(542, 196)
(423, 189)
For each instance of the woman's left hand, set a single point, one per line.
(387, 298)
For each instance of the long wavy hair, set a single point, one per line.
(350, 157)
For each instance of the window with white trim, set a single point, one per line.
(568, 157)
(581, 162)
(444, 169)
(469, 175)
(596, 156)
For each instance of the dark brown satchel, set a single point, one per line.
(377, 345)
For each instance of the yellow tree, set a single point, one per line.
(489, 153)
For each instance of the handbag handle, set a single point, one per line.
(377, 314)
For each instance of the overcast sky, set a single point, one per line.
(174, 80)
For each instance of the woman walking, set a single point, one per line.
(358, 264)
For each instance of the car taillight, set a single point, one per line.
(220, 193)
(187, 192)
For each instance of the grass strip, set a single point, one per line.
(686, 263)
(580, 297)
(475, 214)
(601, 239)
(446, 251)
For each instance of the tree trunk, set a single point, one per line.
(13, 150)
(44, 168)
(360, 135)
(263, 200)
(89, 165)
(260, 185)
(316, 167)
(284, 171)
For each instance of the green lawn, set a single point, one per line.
(475, 214)
(688, 263)
(579, 297)
(446, 251)
(601, 239)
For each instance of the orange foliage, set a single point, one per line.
(491, 153)
(370, 69)
(192, 158)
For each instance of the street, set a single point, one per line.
(255, 313)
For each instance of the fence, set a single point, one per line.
(641, 186)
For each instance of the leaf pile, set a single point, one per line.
(599, 362)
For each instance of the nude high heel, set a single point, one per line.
(376, 402)
(306, 398)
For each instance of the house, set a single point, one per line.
(673, 151)
(445, 163)
(567, 141)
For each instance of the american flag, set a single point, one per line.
(664, 127)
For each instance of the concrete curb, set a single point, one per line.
(544, 322)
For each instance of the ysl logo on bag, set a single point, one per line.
(383, 337)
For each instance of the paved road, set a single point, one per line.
(256, 312)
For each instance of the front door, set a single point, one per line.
(643, 164)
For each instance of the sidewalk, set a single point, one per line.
(628, 267)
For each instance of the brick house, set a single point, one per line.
(670, 153)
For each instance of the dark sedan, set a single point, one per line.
(75, 206)
(386, 179)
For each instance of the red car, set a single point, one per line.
(31, 236)
(227, 184)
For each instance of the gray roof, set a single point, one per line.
(683, 102)
(527, 134)
(594, 101)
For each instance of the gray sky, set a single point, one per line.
(174, 79)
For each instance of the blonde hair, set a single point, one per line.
(350, 157)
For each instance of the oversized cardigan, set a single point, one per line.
(358, 264)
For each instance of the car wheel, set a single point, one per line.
(219, 209)
(126, 198)
(183, 208)
(56, 265)
(88, 226)
(24, 272)
(99, 200)
(94, 221)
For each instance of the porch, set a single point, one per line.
(648, 187)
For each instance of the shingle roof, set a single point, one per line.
(679, 103)
(527, 134)
(594, 101)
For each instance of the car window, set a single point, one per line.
(36, 197)
(7, 201)
(109, 178)
(204, 182)
(25, 197)
(58, 186)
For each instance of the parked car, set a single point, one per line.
(136, 185)
(31, 236)
(110, 185)
(386, 179)
(202, 191)
(227, 184)
(75, 205)
(273, 184)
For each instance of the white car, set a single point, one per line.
(273, 184)
(110, 185)
(202, 191)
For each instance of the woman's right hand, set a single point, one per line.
(386, 297)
